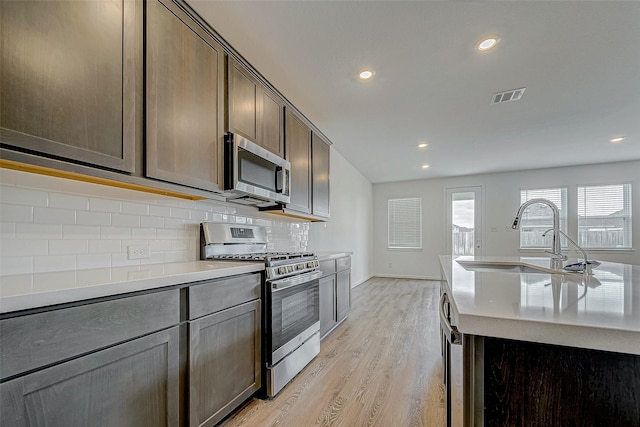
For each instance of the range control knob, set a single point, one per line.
(282, 270)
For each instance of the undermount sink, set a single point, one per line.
(505, 267)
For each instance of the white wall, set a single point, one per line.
(501, 193)
(350, 228)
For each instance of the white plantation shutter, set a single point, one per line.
(538, 218)
(604, 216)
(405, 223)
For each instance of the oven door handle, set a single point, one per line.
(288, 282)
(451, 332)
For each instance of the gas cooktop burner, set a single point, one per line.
(264, 256)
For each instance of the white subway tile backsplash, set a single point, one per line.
(43, 215)
(23, 196)
(123, 220)
(135, 208)
(38, 231)
(68, 201)
(42, 264)
(93, 261)
(68, 247)
(143, 233)
(80, 232)
(115, 233)
(152, 221)
(16, 265)
(104, 246)
(16, 213)
(105, 205)
(20, 248)
(180, 213)
(56, 225)
(163, 211)
(93, 218)
(7, 230)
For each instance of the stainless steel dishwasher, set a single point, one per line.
(462, 363)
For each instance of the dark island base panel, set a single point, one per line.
(545, 385)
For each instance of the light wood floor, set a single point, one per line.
(381, 367)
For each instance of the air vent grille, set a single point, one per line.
(507, 95)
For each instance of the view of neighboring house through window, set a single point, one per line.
(405, 223)
(604, 216)
(538, 218)
(462, 221)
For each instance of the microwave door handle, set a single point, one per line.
(279, 179)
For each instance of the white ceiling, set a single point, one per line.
(579, 60)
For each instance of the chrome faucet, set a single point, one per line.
(557, 257)
(586, 266)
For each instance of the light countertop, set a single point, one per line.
(601, 313)
(325, 256)
(36, 290)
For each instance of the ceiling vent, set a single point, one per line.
(507, 96)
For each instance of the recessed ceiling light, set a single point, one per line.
(422, 145)
(617, 139)
(425, 166)
(487, 43)
(365, 74)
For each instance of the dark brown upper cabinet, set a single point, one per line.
(185, 99)
(254, 111)
(298, 152)
(68, 79)
(320, 176)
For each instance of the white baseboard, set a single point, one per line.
(362, 281)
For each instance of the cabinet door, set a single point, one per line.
(343, 294)
(255, 112)
(224, 362)
(132, 384)
(327, 304)
(68, 79)
(185, 110)
(243, 101)
(298, 152)
(320, 175)
(271, 123)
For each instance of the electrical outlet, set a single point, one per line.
(138, 252)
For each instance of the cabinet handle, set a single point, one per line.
(453, 335)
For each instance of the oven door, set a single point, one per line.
(293, 313)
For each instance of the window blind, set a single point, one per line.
(604, 216)
(405, 223)
(538, 218)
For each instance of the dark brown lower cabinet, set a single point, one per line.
(132, 384)
(335, 293)
(224, 362)
(531, 384)
(328, 319)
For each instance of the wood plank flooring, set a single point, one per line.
(381, 367)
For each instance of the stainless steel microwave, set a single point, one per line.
(253, 175)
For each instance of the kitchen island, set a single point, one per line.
(543, 347)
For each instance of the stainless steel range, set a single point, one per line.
(291, 320)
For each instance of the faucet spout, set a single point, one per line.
(556, 249)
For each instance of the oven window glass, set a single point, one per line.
(256, 171)
(293, 310)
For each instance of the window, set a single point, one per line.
(604, 216)
(538, 218)
(405, 223)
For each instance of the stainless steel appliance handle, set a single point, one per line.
(287, 282)
(453, 335)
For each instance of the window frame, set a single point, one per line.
(390, 201)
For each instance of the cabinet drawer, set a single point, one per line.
(328, 267)
(36, 340)
(343, 263)
(218, 295)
